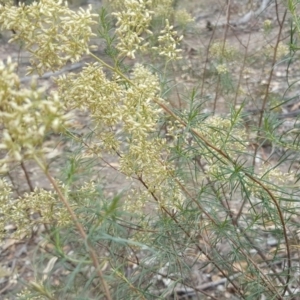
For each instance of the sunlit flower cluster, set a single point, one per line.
(167, 9)
(224, 135)
(168, 42)
(282, 50)
(275, 176)
(26, 117)
(182, 17)
(143, 155)
(125, 118)
(132, 22)
(267, 25)
(51, 32)
(38, 207)
(91, 90)
(160, 8)
(6, 191)
(279, 183)
(220, 51)
(275, 180)
(222, 69)
(163, 8)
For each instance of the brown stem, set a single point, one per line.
(27, 177)
(80, 228)
(191, 238)
(265, 99)
(243, 233)
(223, 48)
(16, 189)
(170, 276)
(264, 258)
(227, 157)
(230, 160)
(207, 60)
(289, 259)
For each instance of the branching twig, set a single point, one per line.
(226, 157)
(27, 177)
(80, 228)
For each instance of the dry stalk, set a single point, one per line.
(80, 228)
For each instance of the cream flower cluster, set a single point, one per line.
(51, 32)
(26, 116)
(144, 155)
(38, 207)
(163, 8)
(132, 22)
(220, 51)
(124, 111)
(282, 50)
(160, 8)
(125, 118)
(221, 133)
(168, 42)
(276, 181)
(222, 69)
(91, 90)
(182, 17)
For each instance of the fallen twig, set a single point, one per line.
(50, 74)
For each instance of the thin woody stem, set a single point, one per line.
(228, 159)
(79, 226)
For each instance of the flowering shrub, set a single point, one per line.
(185, 168)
